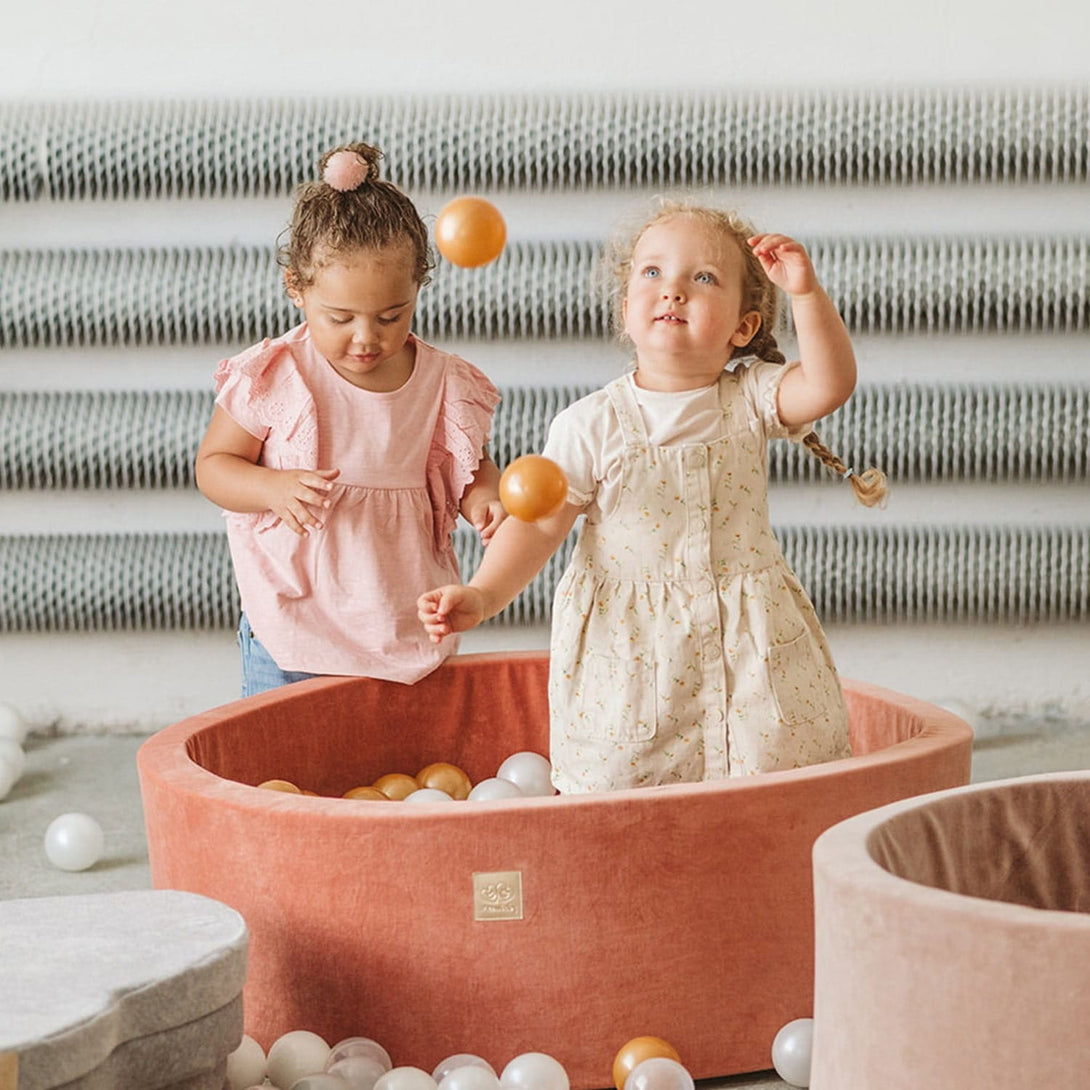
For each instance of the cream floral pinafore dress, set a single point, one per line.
(683, 646)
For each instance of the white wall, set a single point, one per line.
(65, 49)
(214, 48)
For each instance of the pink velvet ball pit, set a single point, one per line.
(684, 912)
(953, 941)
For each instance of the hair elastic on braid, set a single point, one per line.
(870, 486)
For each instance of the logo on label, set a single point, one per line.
(497, 895)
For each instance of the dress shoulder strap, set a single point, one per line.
(623, 400)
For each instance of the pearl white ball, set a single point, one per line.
(530, 772)
(406, 1078)
(74, 841)
(470, 1077)
(426, 795)
(658, 1073)
(534, 1071)
(359, 1072)
(791, 1051)
(352, 1047)
(295, 1054)
(12, 724)
(459, 1059)
(246, 1065)
(495, 788)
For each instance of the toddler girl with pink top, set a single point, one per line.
(344, 450)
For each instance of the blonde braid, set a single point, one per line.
(870, 486)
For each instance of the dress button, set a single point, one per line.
(703, 587)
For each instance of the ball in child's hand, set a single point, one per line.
(470, 232)
(532, 487)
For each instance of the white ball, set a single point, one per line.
(530, 772)
(360, 1072)
(425, 795)
(11, 753)
(359, 1046)
(74, 841)
(321, 1080)
(246, 1065)
(12, 724)
(534, 1071)
(406, 1078)
(495, 788)
(791, 1051)
(295, 1054)
(658, 1073)
(7, 779)
(470, 1077)
(459, 1059)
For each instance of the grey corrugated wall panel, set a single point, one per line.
(880, 574)
(79, 150)
(534, 290)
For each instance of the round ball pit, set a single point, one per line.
(680, 911)
(953, 940)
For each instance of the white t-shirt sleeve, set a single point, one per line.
(584, 441)
(761, 385)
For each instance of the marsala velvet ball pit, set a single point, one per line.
(953, 941)
(683, 911)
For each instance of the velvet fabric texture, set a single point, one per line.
(953, 944)
(141, 988)
(682, 911)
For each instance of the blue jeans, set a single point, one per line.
(259, 671)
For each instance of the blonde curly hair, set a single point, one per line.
(759, 294)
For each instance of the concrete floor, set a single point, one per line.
(97, 774)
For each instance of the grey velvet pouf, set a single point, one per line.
(139, 989)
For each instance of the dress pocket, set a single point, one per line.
(799, 680)
(620, 699)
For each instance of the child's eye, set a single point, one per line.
(389, 321)
(339, 321)
(651, 272)
(706, 278)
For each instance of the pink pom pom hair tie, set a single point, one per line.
(345, 170)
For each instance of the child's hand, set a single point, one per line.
(486, 517)
(449, 609)
(785, 262)
(296, 495)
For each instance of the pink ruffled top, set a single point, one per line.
(342, 600)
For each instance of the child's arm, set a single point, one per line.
(825, 378)
(518, 552)
(481, 500)
(228, 474)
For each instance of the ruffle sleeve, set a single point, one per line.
(761, 382)
(462, 429)
(263, 390)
